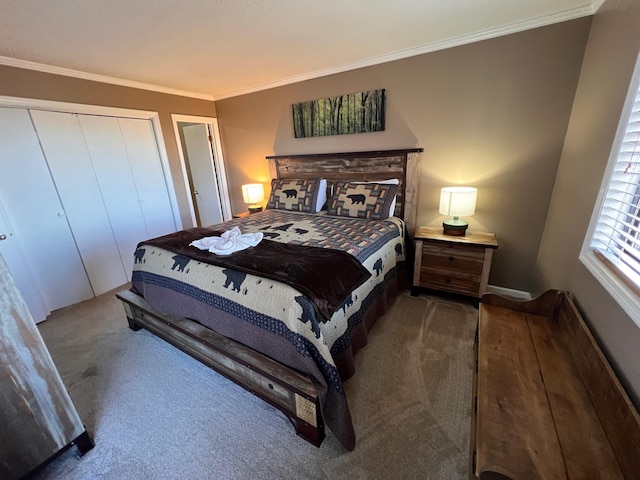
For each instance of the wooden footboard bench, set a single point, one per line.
(546, 403)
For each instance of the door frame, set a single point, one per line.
(81, 108)
(217, 158)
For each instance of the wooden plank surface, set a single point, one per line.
(617, 414)
(37, 416)
(586, 451)
(596, 425)
(472, 237)
(515, 429)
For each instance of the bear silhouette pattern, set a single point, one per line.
(301, 231)
(284, 227)
(378, 267)
(291, 193)
(307, 314)
(139, 255)
(356, 198)
(234, 279)
(347, 303)
(398, 249)
(180, 262)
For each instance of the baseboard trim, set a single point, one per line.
(508, 292)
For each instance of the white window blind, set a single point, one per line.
(616, 238)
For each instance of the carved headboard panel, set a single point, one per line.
(360, 166)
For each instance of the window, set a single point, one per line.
(612, 248)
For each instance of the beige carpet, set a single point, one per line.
(154, 412)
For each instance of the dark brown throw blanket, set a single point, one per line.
(326, 276)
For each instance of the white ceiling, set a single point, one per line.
(221, 48)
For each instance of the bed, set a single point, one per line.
(285, 318)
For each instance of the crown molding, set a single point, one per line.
(590, 9)
(429, 47)
(67, 72)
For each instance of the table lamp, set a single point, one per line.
(253, 194)
(457, 202)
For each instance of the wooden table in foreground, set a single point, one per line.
(453, 264)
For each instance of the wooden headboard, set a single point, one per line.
(360, 166)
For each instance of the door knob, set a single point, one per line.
(3, 236)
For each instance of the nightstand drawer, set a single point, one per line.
(450, 281)
(464, 259)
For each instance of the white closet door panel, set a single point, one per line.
(111, 165)
(140, 142)
(66, 153)
(36, 216)
(16, 263)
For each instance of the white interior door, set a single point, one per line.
(40, 250)
(203, 174)
(63, 144)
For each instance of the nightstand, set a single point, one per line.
(241, 215)
(453, 264)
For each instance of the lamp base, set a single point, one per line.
(255, 209)
(456, 228)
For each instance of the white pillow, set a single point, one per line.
(322, 195)
(391, 181)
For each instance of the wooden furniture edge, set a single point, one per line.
(486, 270)
(287, 390)
(546, 304)
(617, 415)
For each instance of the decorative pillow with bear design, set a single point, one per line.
(361, 200)
(297, 195)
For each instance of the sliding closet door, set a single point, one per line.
(110, 162)
(153, 196)
(36, 220)
(64, 146)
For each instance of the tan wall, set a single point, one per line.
(17, 82)
(610, 57)
(492, 114)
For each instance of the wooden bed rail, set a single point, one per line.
(290, 392)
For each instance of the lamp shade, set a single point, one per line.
(253, 193)
(458, 201)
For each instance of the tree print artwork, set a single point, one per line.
(353, 113)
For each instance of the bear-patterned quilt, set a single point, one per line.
(273, 317)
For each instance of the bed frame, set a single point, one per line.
(286, 389)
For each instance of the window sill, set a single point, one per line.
(621, 293)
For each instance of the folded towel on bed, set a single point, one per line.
(230, 241)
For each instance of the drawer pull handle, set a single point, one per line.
(451, 258)
(448, 280)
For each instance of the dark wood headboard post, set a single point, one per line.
(360, 166)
